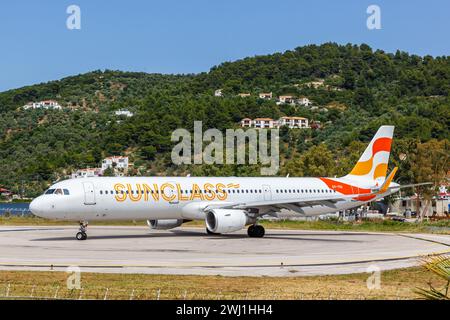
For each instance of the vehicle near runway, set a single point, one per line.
(227, 204)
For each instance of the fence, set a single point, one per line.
(16, 211)
(51, 292)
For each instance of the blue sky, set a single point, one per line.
(175, 36)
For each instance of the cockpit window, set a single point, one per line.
(50, 191)
(66, 192)
(59, 192)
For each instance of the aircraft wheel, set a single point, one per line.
(81, 236)
(256, 231)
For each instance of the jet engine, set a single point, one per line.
(227, 220)
(164, 224)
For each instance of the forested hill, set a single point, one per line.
(354, 89)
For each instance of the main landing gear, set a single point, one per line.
(256, 231)
(82, 235)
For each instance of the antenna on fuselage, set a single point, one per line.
(287, 175)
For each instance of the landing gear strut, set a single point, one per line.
(256, 231)
(82, 235)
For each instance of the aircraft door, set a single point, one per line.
(89, 193)
(267, 192)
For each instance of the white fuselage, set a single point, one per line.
(135, 198)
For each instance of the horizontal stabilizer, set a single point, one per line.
(385, 186)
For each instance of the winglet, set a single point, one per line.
(388, 181)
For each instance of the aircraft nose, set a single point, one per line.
(36, 206)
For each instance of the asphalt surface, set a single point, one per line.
(191, 251)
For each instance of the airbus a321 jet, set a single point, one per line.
(227, 204)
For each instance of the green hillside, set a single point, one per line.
(359, 90)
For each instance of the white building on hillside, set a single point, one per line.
(218, 93)
(268, 123)
(265, 95)
(293, 122)
(124, 112)
(264, 123)
(304, 101)
(87, 173)
(116, 162)
(286, 99)
(46, 104)
(246, 123)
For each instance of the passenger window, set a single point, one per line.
(101, 192)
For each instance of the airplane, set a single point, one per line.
(226, 204)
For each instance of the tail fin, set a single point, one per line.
(373, 164)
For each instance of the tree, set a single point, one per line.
(316, 162)
(109, 172)
(430, 163)
(148, 152)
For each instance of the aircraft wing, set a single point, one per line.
(290, 204)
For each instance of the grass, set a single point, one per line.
(442, 226)
(439, 227)
(395, 284)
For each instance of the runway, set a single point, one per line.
(191, 251)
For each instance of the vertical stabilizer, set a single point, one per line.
(373, 164)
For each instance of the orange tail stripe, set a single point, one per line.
(381, 144)
(362, 167)
(380, 171)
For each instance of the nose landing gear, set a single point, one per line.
(256, 231)
(82, 235)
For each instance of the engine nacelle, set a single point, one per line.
(164, 224)
(226, 220)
